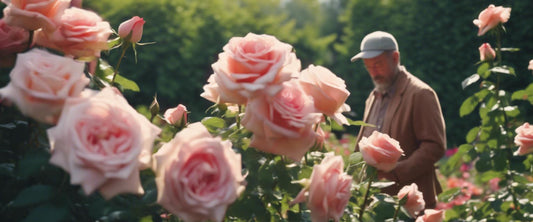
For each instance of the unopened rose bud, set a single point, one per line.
(132, 29)
(486, 53)
(176, 116)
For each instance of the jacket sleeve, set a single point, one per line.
(430, 132)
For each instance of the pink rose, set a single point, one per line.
(252, 63)
(40, 83)
(132, 29)
(103, 143)
(35, 14)
(530, 67)
(415, 199)
(329, 190)
(380, 151)
(198, 176)
(328, 91)
(282, 124)
(486, 52)
(177, 115)
(494, 184)
(431, 215)
(491, 17)
(80, 33)
(524, 139)
(12, 41)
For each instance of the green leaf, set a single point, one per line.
(114, 43)
(47, 213)
(468, 105)
(359, 123)
(472, 135)
(355, 158)
(504, 70)
(471, 79)
(382, 185)
(511, 111)
(126, 84)
(32, 195)
(483, 70)
(510, 49)
(213, 123)
(32, 163)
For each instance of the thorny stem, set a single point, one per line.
(366, 195)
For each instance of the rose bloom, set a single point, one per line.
(40, 83)
(132, 29)
(35, 14)
(486, 52)
(380, 151)
(283, 124)
(415, 199)
(328, 91)
(524, 139)
(198, 176)
(176, 115)
(491, 17)
(329, 189)
(12, 41)
(103, 143)
(80, 33)
(530, 67)
(431, 215)
(250, 64)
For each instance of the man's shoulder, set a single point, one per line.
(415, 85)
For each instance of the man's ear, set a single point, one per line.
(396, 57)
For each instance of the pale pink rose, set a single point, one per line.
(380, 151)
(12, 41)
(328, 91)
(530, 67)
(252, 63)
(524, 139)
(329, 189)
(34, 14)
(132, 29)
(103, 143)
(40, 83)
(198, 176)
(176, 115)
(282, 124)
(431, 215)
(486, 52)
(491, 17)
(80, 33)
(211, 91)
(415, 199)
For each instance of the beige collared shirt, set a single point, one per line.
(378, 110)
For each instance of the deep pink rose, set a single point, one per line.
(328, 91)
(415, 199)
(524, 139)
(176, 115)
(431, 215)
(132, 29)
(12, 41)
(380, 151)
(40, 83)
(103, 143)
(198, 176)
(283, 124)
(491, 17)
(34, 14)
(80, 33)
(250, 64)
(329, 189)
(486, 52)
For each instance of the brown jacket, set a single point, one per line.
(414, 118)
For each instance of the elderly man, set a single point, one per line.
(406, 109)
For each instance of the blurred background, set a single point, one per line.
(437, 39)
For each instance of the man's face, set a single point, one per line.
(382, 69)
